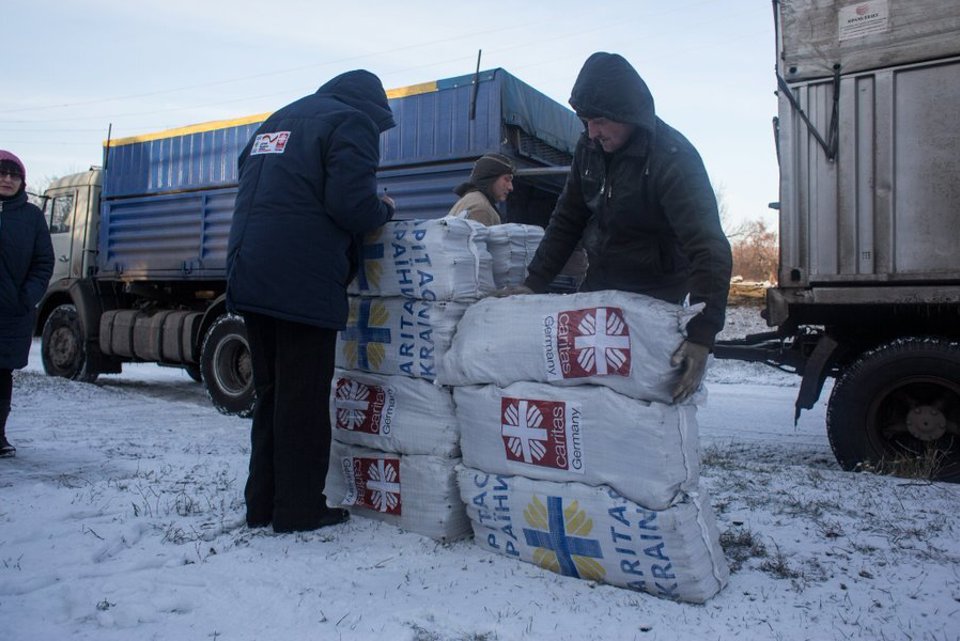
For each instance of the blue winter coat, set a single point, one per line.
(26, 264)
(307, 194)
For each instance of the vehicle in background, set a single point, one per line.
(868, 143)
(141, 244)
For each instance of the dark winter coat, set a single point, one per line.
(646, 213)
(307, 194)
(26, 264)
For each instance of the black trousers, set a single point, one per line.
(290, 438)
(6, 387)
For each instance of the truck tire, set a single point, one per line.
(193, 371)
(226, 368)
(899, 402)
(62, 346)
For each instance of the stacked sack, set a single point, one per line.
(396, 441)
(574, 456)
(512, 246)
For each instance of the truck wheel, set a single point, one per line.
(193, 371)
(898, 409)
(62, 346)
(225, 366)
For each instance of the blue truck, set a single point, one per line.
(141, 242)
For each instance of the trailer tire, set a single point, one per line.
(226, 368)
(897, 409)
(62, 346)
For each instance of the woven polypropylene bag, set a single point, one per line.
(512, 246)
(594, 533)
(397, 336)
(443, 259)
(413, 492)
(648, 452)
(616, 339)
(394, 414)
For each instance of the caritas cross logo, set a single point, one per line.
(544, 433)
(376, 483)
(593, 342)
(360, 408)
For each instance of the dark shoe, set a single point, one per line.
(334, 516)
(329, 516)
(6, 449)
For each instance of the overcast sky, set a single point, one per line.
(70, 69)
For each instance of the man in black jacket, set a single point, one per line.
(307, 195)
(639, 198)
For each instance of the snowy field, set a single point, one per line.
(122, 518)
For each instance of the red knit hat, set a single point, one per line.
(12, 164)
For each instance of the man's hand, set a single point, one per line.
(512, 290)
(691, 358)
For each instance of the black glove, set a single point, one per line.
(691, 358)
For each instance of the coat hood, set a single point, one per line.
(363, 91)
(9, 162)
(609, 87)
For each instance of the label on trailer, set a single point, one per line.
(863, 19)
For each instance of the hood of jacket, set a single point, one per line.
(363, 91)
(609, 87)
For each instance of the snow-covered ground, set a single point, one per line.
(122, 518)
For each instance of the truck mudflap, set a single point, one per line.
(809, 354)
(815, 370)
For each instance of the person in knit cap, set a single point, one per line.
(26, 265)
(491, 181)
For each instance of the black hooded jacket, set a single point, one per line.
(308, 192)
(646, 213)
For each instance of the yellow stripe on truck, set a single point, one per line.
(411, 90)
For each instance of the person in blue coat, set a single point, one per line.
(26, 264)
(307, 195)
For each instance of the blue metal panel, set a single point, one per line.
(180, 236)
(198, 160)
(168, 197)
(424, 192)
(436, 126)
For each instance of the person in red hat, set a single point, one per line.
(26, 264)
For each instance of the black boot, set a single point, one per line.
(6, 449)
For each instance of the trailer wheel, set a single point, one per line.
(62, 346)
(897, 409)
(225, 366)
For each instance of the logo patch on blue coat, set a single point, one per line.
(274, 143)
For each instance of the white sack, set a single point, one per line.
(443, 259)
(648, 452)
(414, 493)
(393, 336)
(512, 246)
(616, 339)
(594, 533)
(393, 414)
